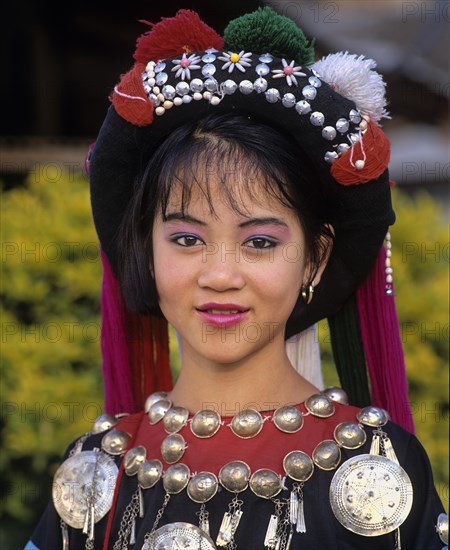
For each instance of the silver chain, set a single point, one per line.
(126, 525)
(284, 525)
(159, 514)
(233, 507)
(91, 498)
(79, 444)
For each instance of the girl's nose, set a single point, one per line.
(222, 267)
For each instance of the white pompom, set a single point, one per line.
(354, 77)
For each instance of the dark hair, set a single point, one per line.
(225, 142)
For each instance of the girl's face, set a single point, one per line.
(227, 282)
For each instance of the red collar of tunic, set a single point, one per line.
(265, 450)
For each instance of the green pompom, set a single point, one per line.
(264, 31)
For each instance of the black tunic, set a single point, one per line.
(418, 532)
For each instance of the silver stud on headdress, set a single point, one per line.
(209, 87)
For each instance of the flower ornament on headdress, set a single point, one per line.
(289, 71)
(185, 65)
(240, 60)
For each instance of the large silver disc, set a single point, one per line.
(371, 495)
(73, 487)
(179, 535)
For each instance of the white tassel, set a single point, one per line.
(354, 77)
(179, 342)
(304, 354)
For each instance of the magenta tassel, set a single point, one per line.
(114, 348)
(383, 347)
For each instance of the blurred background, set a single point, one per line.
(58, 72)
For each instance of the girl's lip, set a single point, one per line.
(222, 315)
(222, 320)
(222, 307)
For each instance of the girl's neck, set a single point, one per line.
(262, 383)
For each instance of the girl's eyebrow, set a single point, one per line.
(268, 220)
(180, 216)
(263, 221)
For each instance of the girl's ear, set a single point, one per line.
(313, 278)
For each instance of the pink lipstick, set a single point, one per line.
(222, 315)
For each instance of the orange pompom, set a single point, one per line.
(366, 160)
(130, 100)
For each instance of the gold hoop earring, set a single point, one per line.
(307, 294)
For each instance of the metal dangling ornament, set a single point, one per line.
(296, 508)
(234, 477)
(307, 294)
(389, 290)
(83, 489)
(371, 494)
(179, 535)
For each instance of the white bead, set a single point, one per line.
(160, 111)
(150, 66)
(388, 244)
(207, 95)
(167, 104)
(359, 164)
(389, 278)
(156, 90)
(198, 96)
(387, 262)
(151, 81)
(161, 98)
(388, 236)
(215, 100)
(178, 101)
(388, 270)
(187, 99)
(388, 253)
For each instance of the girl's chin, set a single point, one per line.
(225, 358)
(231, 345)
(229, 352)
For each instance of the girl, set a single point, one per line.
(240, 197)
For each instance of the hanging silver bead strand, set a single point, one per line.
(389, 290)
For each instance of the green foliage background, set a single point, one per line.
(50, 322)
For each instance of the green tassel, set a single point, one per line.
(264, 31)
(348, 352)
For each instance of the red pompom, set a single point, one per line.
(130, 100)
(376, 149)
(184, 33)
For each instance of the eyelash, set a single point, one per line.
(271, 243)
(176, 240)
(268, 243)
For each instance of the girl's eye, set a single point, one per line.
(260, 243)
(187, 240)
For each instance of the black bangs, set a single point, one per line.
(250, 160)
(216, 151)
